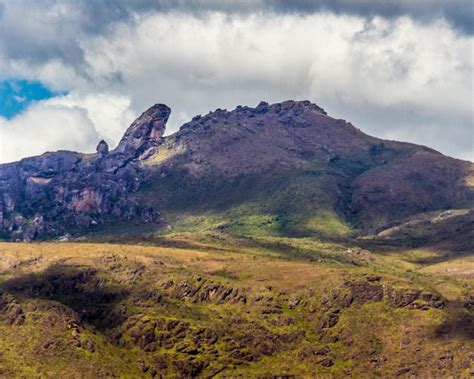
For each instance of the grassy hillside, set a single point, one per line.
(216, 305)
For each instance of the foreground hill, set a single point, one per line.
(232, 309)
(285, 169)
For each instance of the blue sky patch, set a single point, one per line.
(17, 95)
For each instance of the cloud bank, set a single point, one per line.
(398, 71)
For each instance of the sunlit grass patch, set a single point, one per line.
(328, 224)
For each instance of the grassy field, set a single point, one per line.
(214, 305)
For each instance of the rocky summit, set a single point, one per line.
(266, 242)
(50, 195)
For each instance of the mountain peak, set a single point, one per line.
(145, 131)
(295, 104)
(284, 106)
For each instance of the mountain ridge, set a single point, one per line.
(278, 157)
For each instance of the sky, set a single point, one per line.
(73, 72)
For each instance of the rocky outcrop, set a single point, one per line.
(55, 193)
(102, 149)
(360, 292)
(203, 291)
(11, 310)
(145, 132)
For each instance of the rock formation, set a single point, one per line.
(145, 132)
(102, 149)
(45, 196)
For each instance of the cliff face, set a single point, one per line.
(55, 193)
(290, 161)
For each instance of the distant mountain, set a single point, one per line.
(283, 169)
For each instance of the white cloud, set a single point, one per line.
(109, 113)
(393, 78)
(68, 122)
(45, 128)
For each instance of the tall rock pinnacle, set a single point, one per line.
(145, 131)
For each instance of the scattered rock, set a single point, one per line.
(326, 362)
(365, 292)
(331, 319)
(402, 371)
(373, 278)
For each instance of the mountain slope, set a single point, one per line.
(299, 169)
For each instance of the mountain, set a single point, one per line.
(283, 169)
(266, 242)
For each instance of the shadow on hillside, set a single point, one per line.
(458, 324)
(124, 234)
(453, 238)
(79, 288)
(440, 258)
(439, 253)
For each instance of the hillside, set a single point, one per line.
(262, 242)
(300, 171)
(232, 309)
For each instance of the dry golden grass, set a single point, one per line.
(459, 267)
(256, 269)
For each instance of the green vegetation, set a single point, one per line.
(328, 224)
